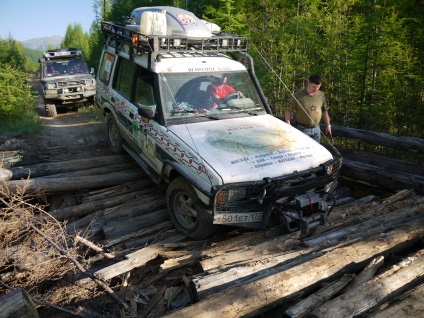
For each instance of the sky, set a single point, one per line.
(30, 19)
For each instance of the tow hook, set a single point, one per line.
(305, 212)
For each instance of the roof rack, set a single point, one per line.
(152, 44)
(62, 53)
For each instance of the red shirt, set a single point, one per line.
(216, 93)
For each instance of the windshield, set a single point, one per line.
(65, 67)
(197, 94)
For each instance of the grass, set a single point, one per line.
(27, 123)
(94, 113)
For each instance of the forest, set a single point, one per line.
(369, 53)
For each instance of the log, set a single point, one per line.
(158, 227)
(255, 297)
(96, 220)
(408, 305)
(5, 175)
(382, 161)
(87, 208)
(17, 304)
(376, 176)
(104, 193)
(94, 171)
(119, 228)
(353, 231)
(58, 185)
(359, 300)
(44, 169)
(367, 273)
(305, 306)
(397, 142)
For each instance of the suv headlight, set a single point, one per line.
(50, 85)
(328, 167)
(90, 82)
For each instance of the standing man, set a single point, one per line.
(309, 106)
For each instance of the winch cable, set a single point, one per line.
(331, 143)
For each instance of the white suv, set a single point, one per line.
(232, 164)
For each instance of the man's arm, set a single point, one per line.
(326, 120)
(288, 115)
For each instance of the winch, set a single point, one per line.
(305, 211)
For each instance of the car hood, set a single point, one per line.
(251, 148)
(67, 78)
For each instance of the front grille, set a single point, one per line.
(250, 197)
(71, 83)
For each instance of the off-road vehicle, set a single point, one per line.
(233, 164)
(65, 80)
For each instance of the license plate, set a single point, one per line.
(228, 218)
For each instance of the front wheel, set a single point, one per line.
(187, 212)
(51, 110)
(114, 136)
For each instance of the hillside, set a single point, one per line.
(42, 44)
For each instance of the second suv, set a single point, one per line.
(65, 80)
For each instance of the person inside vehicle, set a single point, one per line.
(51, 69)
(76, 67)
(217, 91)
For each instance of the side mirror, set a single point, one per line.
(39, 60)
(92, 70)
(147, 111)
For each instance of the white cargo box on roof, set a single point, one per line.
(153, 23)
(179, 22)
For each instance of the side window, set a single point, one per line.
(144, 88)
(106, 68)
(124, 77)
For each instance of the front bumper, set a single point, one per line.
(245, 200)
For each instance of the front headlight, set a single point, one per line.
(50, 85)
(328, 167)
(231, 195)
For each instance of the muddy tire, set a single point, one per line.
(115, 139)
(187, 213)
(51, 110)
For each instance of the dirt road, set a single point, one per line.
(70, 135)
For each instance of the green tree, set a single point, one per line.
(17, 100)
(12, 53)
(75, 37)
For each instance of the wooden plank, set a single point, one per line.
(408, 305)
(257, 296)
(17, 304)
(359, 300)
(305, 306)
(136, 259)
